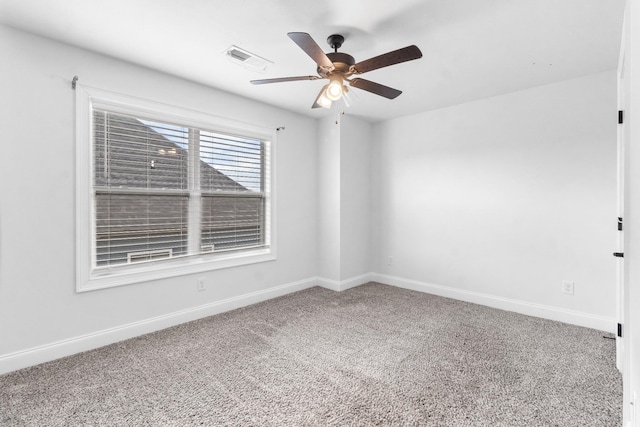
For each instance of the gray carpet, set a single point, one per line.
(372, 355)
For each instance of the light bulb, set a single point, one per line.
(322, 100)
(334, 90)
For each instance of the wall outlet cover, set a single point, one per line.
(567, 287)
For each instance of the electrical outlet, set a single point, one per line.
(567, 287)
(390, 260)
(202, 285)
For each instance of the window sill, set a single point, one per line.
(127, 275)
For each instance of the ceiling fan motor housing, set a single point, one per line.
(341, 63)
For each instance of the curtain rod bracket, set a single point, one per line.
(278, 129)
(73, 82)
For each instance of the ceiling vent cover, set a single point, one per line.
(247, 59)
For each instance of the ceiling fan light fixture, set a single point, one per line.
(346, 97)
(334, 89)
(322, 100)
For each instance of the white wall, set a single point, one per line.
(504, 198)
(355, 197)
(38, 302)
(329, 199)
(344, 147)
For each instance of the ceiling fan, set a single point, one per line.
(339, 67)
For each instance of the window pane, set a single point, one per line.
(229, 163)
(232, 222)
(131, 153)
(132, 228)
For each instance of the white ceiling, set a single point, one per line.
(472, 49)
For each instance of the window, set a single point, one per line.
(164, 191)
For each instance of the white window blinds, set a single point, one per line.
(164, 190)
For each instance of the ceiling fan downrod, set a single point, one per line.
(335, 41)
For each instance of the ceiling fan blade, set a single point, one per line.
(284, 79)
(306, 43)
(408, 53)
(377, 88)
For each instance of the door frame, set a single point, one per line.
(620, 188)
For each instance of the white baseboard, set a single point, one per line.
(48, 352)
(343, 285)
(531, 309)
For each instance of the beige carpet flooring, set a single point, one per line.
(372, 355)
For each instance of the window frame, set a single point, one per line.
(90, 278)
